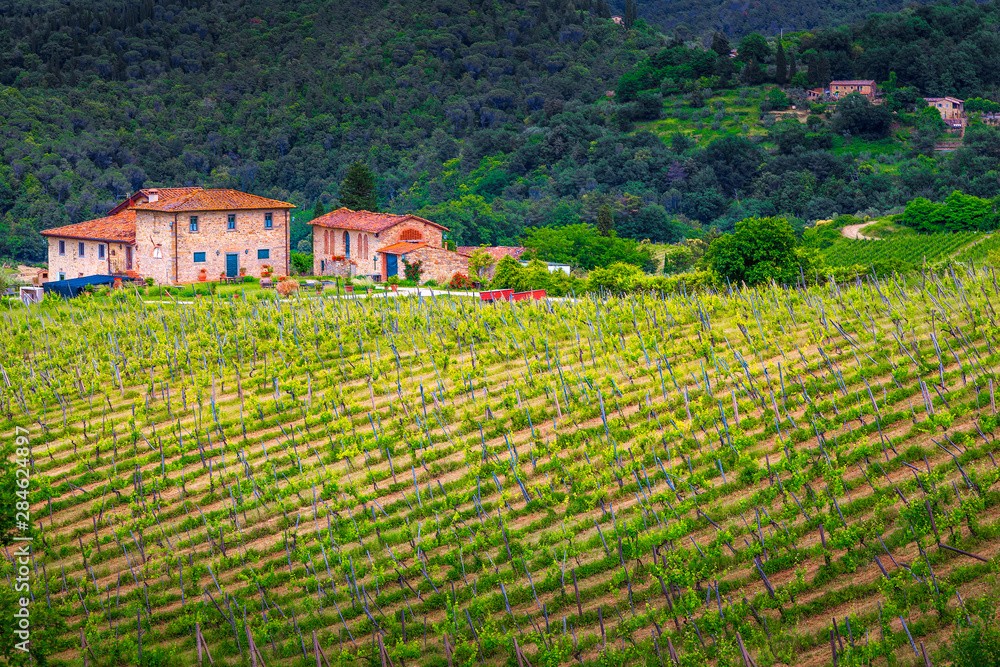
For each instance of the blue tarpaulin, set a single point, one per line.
(71, 287)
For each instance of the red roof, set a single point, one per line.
(366, 221)
(119, 228)
(213, 200)
(497, 252)
(402, 247)
(854, 82)
(163, 194)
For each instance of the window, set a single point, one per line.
(411, 235)
(264, 253)
(157, 253)
(100, 251)
(194, 223)
(347, 245)
(62, 249)
(80, 249)
(199, 257)
(231, 221)
(62, 276)
(268, 220)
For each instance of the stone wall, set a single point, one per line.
(154, 255)
(71, 264)
(439, 264)
(430, 235)
(329, 243)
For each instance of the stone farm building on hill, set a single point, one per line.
(350, 243)
(173, 234)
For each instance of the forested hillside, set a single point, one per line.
(101, 98)
(736, 19)
(489, 117)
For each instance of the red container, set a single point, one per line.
(496, 295)
(523, 296)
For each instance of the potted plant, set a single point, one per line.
(266, 270)
(203, 275)
(222, 275)
(243, 271)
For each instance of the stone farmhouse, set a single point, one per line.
(837, 89)
(952, 112)
(350, 243)
(176, 235)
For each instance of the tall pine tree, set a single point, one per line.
(780, 66)
(357, 191)
(792, 67)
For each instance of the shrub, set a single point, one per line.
(302, 262)
(287, 287)
(460, 281)
(413, 270)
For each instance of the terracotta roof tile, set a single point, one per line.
(164, 194)
(497, 252)
(402, 247)
(366, 221)
(213, 200)
(119, 228)
(854, 82)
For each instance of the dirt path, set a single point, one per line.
(985, 237)
(854, 232)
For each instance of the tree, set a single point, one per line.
(480, 262)
(720, 44)
(780, 66)
(605, 220)
(857, 116)
(793, 68)
(357, 190)
(753, 47)
(630, 14)
(318, 209)
(761, 249)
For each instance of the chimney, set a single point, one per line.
(153, 195)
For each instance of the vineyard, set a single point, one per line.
(766, 476)
(979, 252)
(912, 249)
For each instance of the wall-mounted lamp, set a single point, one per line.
(216, 253)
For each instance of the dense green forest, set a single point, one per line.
(692, 18)
(489, 117)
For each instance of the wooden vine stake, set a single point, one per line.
(318, 650)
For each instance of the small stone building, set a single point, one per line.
(350, 243)
(866, 87)
(176, 235)
(951, 108)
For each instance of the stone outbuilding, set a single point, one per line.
(350, 243)
(176, 235)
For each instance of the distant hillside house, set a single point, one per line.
(950, 108)
(173, 234)
(867, 88)
(350, 243)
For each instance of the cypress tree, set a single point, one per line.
(357, 191)
(792, 67)
(605, 220)
(721, 45)
(318, 210)
(780, 67)
(630, 14)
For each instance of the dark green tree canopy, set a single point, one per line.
(358, 190)
(760, 250)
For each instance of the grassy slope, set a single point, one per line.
(355, 385)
